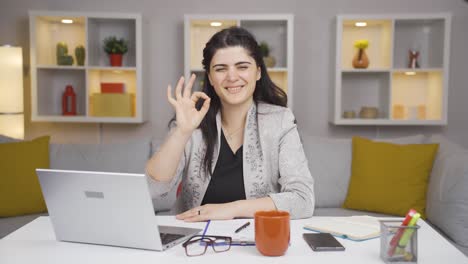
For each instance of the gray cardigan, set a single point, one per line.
(274, 165)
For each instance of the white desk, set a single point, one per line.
(35, 243)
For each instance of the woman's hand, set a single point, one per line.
(206, 212)
(188, 118)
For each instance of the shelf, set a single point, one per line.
(365, 70)
(277, 69)
(51, 85)
(60, 67)
(48, 80)
(404, 95)
(114, 69)
(402, 70)
(101, 28)
(365, 90)
(421, 90)
(84, 119)
(377, 32)
(386, 122)
(425, 36)
(49, 30)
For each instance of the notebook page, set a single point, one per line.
(228, 228)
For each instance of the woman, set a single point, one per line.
(235, 148)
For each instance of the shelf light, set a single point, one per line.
(360, 24)
(67, 21)
(117, 71)
(410, 73)
(216, 24)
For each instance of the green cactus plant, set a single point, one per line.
(80, 55)
(65, 60)
(62, 50)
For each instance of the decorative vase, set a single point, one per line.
(360, 60)
(115, 60)
(270, 61)
(69, 101)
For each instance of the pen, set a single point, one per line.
(242, 227)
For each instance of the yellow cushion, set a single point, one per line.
(20, 192)
(389, 178)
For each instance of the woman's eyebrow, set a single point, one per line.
(243, 62)
(237, 63)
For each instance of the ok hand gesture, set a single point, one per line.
(188, 118)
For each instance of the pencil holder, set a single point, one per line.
(398, 244)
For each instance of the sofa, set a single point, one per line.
(329, 163)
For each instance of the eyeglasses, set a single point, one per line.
(197, 244)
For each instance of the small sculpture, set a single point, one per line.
(413, 59)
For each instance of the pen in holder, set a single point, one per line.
(401, 250)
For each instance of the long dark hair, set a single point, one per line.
(265, 90)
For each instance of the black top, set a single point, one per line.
(227, 183)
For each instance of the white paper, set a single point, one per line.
(228, 228)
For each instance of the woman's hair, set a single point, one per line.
(265, 90)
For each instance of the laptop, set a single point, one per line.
(106, 208)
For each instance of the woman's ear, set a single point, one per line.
(259, 73)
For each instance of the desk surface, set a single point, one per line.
(35, 243)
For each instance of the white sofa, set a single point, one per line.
(329, 162)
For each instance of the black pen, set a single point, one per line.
(242, 227)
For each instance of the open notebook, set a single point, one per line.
(357, 228)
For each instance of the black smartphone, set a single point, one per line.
(322, 242)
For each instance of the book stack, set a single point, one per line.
(113, 88)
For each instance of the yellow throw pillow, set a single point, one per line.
(389, 178)
(20, 192)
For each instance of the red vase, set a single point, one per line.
(69, 101)
(115, 60)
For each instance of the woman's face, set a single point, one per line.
(233, 74)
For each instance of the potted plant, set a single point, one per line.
(115, 48)
(270, 61)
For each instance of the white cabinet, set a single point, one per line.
(274, 29)
(398, 92)
(49, 80)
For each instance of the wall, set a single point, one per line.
(314, 46)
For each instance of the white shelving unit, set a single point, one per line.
(48, 79)
(275, 29)
(402, 95)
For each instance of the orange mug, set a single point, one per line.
(272, 232)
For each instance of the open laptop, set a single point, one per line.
(106, 208)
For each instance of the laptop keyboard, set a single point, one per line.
(167, 238)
